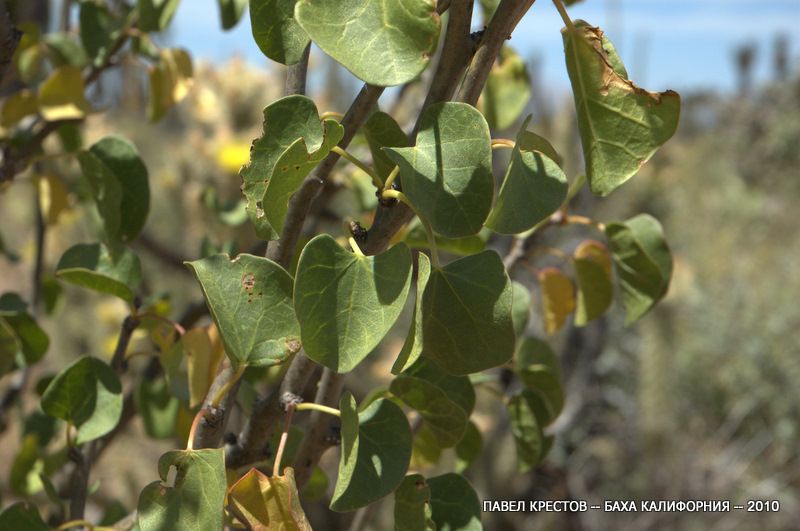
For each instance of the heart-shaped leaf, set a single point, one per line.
(533, 188)
(468, 448)
(190, 495)
(376, 449)
(466, 315)
(538, 368)
(448, 174)
(412, 505)
(88, 395)
(381, 130)
(118, 180)
(346, 303)
(507, 90)
(412, 347)
(520, 307)
(93, 266)
(558, 298)
(263, 503)
(644, 263)
(250, 299)
(157, 407)
(525, 410)
(446, 420)
(416, 238)
(276, 31)
(294, 141)
(457, 388)
(20, 334)
(382, 43)
(593, 275)
(454, 503)
(621, 125)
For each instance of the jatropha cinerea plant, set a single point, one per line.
(444, 240)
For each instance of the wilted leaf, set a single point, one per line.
(346, 303)
(88, 395)
(294, 141)
(382, 43)
(466, 309)
(93, 266)
(376, 449)
(644, 263)
(276, 31)
(593, 275)
(53, 197)
(202, 362)
(412, 505)
(454, 503)
(621, 125)
(61, 95)
(268, 503)
(119, 183)
(250, 299)
(189, 498)
(558, 298)
(447, 176)
(507, 90)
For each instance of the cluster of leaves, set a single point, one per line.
(338, 304)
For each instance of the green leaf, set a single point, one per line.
(294, 141)
(454, 504)
(155, 15)
(526, 428)
(21, 333)
(93, 266)
(457, 388)
(468, 448)
(22, 515)
(507, 90)
(558, 298)
(157, 407)
(17, 106)
(88, 395)
(381, 130)
(64, 50)
(250, 299)
(230, 12)
(621, 125)
(25, 469)
(412, 347)
(276, 31)
(412, 505)
(466, 315)
(448, 174)
(446, 420)
(643, 260)
(262, 502)
(346, 303)
(376, 449)
(533, 188)
(119, 183)
(425, 448)
(417, 239)
(593, 275)
(96, 30)
(538, 369)
(520, 307)
(61, 95)
(189, 497)
(382, 43)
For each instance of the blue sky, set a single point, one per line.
(678, 44)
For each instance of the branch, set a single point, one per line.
(129, 325)
(319, 437)
(9, 39)
(300, 203)
(212, 425)
(251, 444)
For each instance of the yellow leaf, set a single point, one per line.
(170, 81)
(268, 503)
(53, 197)
(17, 107)
(61, 95)
(558, 298)
(202, 360)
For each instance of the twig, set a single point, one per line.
(318, 438)
(296, 75)
(129, 325)
(38, 264)
(276, 466)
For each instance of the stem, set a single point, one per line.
(276, 467)
(391, 177)
(41, 233)
(149, 315)
(503, 143)
(126, 332)
(583, 220)
(564, 16)
(75, 523)
(400, 196)
(311, 406)
(575, 187)
(376, 180)
(354, 246)
(228, 385)
(296, 75)
(195, 422)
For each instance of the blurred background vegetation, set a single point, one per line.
(699, 400)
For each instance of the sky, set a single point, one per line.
(684, 45)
